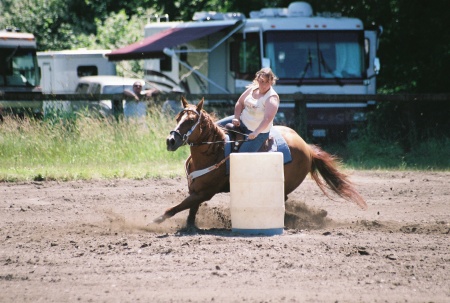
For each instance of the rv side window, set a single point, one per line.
(367, 52)
(245, 55)
(87, 70)
(165, 64)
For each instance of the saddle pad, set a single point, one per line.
(279, 145)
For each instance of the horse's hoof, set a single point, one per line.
(190, 229)
(160, 219)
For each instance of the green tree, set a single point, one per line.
(47, 19)
(416, 47)
(184, 9)
(116, 31)
(59, 24)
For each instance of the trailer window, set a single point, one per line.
(87, 70)
(165, 64)
(245, 56)
(315, 54)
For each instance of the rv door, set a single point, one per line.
(46, 77)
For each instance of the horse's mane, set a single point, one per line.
(209, 123)
(212, 115)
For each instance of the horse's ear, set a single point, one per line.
(184, 102)
(200, 105)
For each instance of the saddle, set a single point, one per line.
(237, 136)
(275, 143)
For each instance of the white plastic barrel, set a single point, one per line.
(257, 193)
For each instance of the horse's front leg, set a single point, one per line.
(192, 202)
(192, 214)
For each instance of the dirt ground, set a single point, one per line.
(94, 242)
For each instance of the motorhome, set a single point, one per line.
(219, 53)
(19, 71)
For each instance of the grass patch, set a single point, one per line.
(88, 148)
(369, 153)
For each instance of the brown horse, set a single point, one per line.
(206, 167)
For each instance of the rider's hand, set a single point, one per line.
(236, 122)
(252, 136)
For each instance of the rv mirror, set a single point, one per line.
(376, 65)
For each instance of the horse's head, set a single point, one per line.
(187, 128)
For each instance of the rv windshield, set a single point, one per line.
(316, 55)
(18, 67)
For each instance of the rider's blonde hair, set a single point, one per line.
(267, 74)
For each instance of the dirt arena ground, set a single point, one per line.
(94, 242)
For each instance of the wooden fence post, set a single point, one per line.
(300, 117)
(412, 132)
(117, 106)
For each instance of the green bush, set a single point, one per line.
(402, 136)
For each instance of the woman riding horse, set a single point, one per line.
(255, 110)
(207, 173)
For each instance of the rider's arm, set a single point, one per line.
(239, 107)
(131, 94)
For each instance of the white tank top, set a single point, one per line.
(254, 109)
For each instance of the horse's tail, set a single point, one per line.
(327, 166)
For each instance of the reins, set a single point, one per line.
(219, 142)
(185, 137)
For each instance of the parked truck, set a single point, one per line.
(19, 72)
(219, 53)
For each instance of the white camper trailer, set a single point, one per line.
(61, 71)
(219, 53)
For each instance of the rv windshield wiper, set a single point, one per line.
(305, 69)
(328, 69)
(12, 54)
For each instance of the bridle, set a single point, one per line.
(184, 138)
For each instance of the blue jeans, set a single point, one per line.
(225, 121)
(249, 146)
